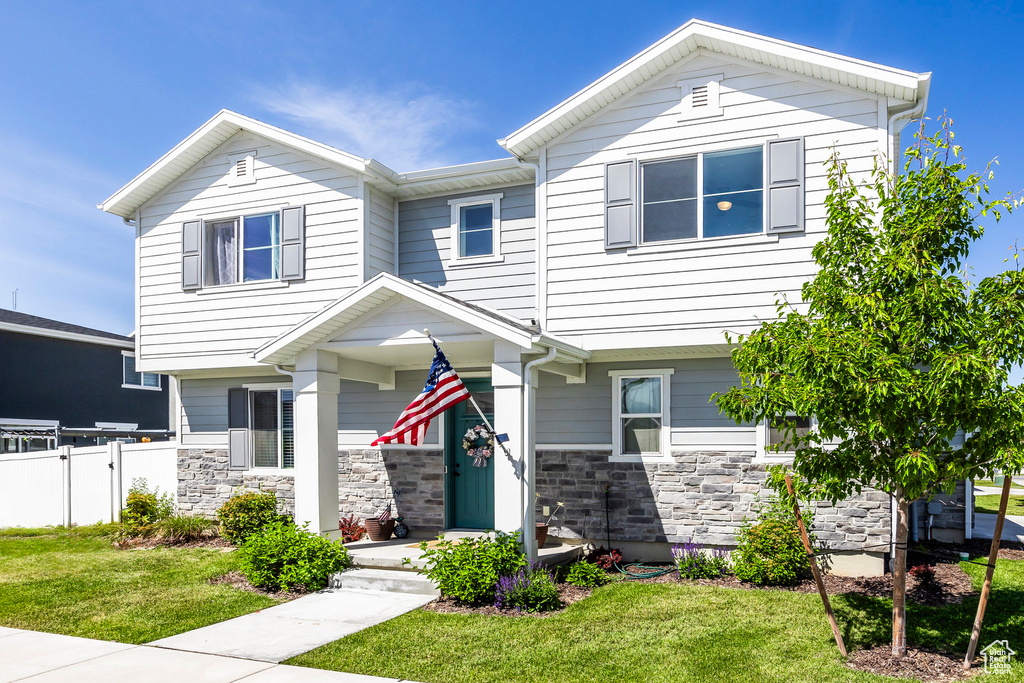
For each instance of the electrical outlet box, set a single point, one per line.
(546, 510)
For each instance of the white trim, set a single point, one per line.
(118, 426)
(764, 454)
(61, 334)
(664, 374)
(252, 285)
(575, 447)
(19, 422)
(456, 206)
(142, 375)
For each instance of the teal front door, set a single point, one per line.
(469, 499)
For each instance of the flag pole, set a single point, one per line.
(479, 412)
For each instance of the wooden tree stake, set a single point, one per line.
(814, 568)
(993, 554)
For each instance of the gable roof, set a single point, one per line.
(382, 288)
(14, 321)
(696, 35)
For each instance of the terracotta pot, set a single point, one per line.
(542, 534)
(379, 531)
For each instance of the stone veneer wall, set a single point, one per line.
(205, 482)
(951, 520)
(369, 479)
(701, 495)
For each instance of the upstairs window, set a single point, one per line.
(132, 379)
(476, 229)
(243, 249)
(712, 194)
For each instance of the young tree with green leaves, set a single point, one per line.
(893, 349)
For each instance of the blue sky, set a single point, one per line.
(95, 92)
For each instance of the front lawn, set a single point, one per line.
(666, 632)
(989, 505)
(75, 583)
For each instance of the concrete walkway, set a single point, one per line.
(1013, 527)
(49, 658)
(283, 631)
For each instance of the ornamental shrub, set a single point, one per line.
(243, 514)
(605, 559)
(281, 556)
(468, 569)
(586, 575)
(185, 528)
(531, 589)
(693, 562)
(143, 509)
(770, 552)
(351, 529)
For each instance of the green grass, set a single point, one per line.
(665, 632)
(989, 505)
(75, 583)
(988, 482)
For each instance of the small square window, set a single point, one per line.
(133, 379)
(640, 413)
(244, 249)
(476, 229)
(782, 429)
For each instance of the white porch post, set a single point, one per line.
(512, 510)
(316, 386)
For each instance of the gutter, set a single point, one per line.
(528, 459)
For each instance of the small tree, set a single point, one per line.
(895, 352)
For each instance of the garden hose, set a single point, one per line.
(643, 571)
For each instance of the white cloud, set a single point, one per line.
(405, 129)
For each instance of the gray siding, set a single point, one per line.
(204, 407)
(380, 233)
(581, 413)
(425, 251)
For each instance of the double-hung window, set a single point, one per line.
(476, 229)
(710, 194)
(242, 249)
(133, 379)
(272, 430)
(775, 435)
(640, 412)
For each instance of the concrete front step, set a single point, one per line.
(384, 580)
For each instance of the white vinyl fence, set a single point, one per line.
(81, 485)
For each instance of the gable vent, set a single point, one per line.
(242, 170)
(240, 167)
(700, 96)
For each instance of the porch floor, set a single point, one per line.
(389, 554)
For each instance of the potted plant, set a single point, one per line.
(542, 527)
(381, 528)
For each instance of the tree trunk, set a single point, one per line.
(899, 578)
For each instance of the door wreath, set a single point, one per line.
(479, 445)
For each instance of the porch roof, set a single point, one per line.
(385, 288)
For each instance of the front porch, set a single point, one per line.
(392, 554)
(374, 338)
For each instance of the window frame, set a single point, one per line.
(142, 379)
(251, 436)
(239, 220)
(699, 155)
(456, 206)
(764, 452)
(664, 454)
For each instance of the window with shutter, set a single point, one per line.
(620, 204)
(786, 185)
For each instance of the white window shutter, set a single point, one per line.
(293, 243)
(238, 429)
(192, 255)
(786, 185)
(620, 205)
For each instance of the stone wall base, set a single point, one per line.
(205, 483)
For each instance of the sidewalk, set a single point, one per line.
(49, 658)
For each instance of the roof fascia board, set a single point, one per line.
(69, 336)
(689, 38)
(369, 167)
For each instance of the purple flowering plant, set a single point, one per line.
(694, 562)
(531, 589)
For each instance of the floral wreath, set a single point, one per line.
(480, 454)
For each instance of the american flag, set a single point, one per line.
(442, 390)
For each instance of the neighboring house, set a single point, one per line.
(583, 284)
(63, 384)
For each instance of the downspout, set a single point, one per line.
(540, 211)
(528, 459)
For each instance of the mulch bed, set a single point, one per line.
(237, 580)
(925, 665)
(567, 593)
(216, 542)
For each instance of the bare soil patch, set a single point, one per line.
(237, 580)
(924, 665)
(567, 593)
(217, 542)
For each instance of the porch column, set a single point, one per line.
(512, 512)
(316, 386)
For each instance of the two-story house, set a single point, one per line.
(582, 286)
